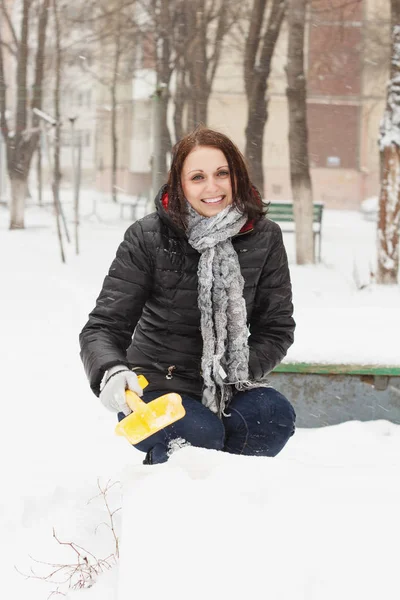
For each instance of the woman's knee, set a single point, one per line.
(262, 421)
(200, 427)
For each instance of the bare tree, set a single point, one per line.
(112, 31)
(389, 198)
(265, 26)
(117, 54)
(117, 32)
(298, 133)
(22, 138)
(110, 28)
(208, 25)
(188, 38)
(163, 12)
(57, 115)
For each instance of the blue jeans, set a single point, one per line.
(260, 423)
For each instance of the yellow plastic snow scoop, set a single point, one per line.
(147, 419)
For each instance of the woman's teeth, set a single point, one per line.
(213, 200)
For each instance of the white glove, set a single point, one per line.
(118, 379)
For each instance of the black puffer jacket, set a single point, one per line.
(151, 291)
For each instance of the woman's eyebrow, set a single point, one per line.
(201, 170)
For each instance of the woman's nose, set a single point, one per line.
(211, 185)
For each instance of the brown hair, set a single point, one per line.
(245, 196)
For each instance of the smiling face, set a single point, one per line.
(206, 180)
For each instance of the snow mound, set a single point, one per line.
(312, 523)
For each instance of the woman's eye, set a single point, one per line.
(199, 176)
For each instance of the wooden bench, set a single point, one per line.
(328, 394)
(378, 375)
(282, 212)
(338, 369)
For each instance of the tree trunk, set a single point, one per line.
(179, 103)
(17, 207)
(165, 136)
(21, 146)
(298, 134)
(389, 198)
(57, 137)
(389, 216)
(256, 74)
(257, 116)
(198, 69)
(39, 173)
(164, 72)
(114, 108)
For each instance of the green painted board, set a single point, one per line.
(338, 369)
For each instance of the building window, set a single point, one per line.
(333, 135)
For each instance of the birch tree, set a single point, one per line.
(265, 25)
(298, 133)
(389, 198)
(21, 137)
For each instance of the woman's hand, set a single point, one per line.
(118, 380)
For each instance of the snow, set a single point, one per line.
(336, 321)
(370, 207)
(318, 522)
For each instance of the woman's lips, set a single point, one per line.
(215, 200)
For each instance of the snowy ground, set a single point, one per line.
(318, 522)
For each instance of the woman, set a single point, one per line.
(203, 286)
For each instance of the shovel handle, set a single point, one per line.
(142, 381)
(133, 400)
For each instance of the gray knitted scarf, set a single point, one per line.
(224, 328)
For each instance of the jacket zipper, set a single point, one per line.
(169, 375)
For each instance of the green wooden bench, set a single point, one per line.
(379, 373)
(338, 369)
(328, 394)
(282, 212)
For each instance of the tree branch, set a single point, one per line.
(9, 23)
(271, 35)
(222, 28)
(8, 46)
